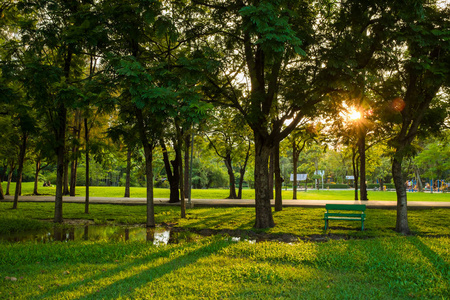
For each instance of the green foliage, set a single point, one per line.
(208, 175)
(269, 21)
(434, 160)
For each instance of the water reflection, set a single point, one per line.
(161, 237)
(158, 236)
(238, 239)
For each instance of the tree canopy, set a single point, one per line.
(159, 71)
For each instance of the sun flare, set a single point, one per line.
(354, 115)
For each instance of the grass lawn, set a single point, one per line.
(374, 264)
(217, 268)
(299, 221)
(140, 192)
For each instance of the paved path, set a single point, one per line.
(229, 202)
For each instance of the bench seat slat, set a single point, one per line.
(344, 215)
(358, 207)
(346, 219)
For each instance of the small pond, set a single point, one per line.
(158, 235)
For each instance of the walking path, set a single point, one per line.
(229, 202)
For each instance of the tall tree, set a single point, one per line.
(419, 51)
(9, 148)
(42, 155)
(18, 108)
(228, 137)
(75, 149)
(157, 81)
(124, 133)
(172, 171)
(299, 138)
(434, 160)
(265, 41)
(51, 35)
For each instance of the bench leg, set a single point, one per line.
(362, 225)
(326, 224)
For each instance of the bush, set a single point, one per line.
(335, 186)
(377, 185)
(159, 183)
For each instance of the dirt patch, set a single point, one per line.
(74, 222)
(78, 222)
(261, 237)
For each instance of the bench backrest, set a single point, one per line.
(358, 207)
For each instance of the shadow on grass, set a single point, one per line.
(235, 218)
(72, 286)
(127, 285)
(440, 265)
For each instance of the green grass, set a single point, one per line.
(217, 268)
(299, 221)
(140, 192)
(9, 225)
(374, 264)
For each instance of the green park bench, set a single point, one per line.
(346, 212)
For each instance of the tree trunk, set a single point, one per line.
(316, 168)
(73, 175)
(148, 168)
(22, 152)
(264, 218)
(419, 180)
(174, 183)
(8, 184)
(2, 196)
(362, 164)
(278, 179)
(60, 149)
(182, 197)
(2, 174)
(180, 168)
(128, 174)
(60, 137)
(187, 144)
(36, 176)
(86, 138)
(241, 182)
(381, 184)
(242, 172)
(355, 173)
(402, 209)
(228, 164)
(149, 174)
(75, 149)
(294, 162)
(271, 173)
(66, 177)
(172, 177)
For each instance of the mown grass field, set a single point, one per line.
(299, 221)
(217, 268)
(377, 263)
(140, 192)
